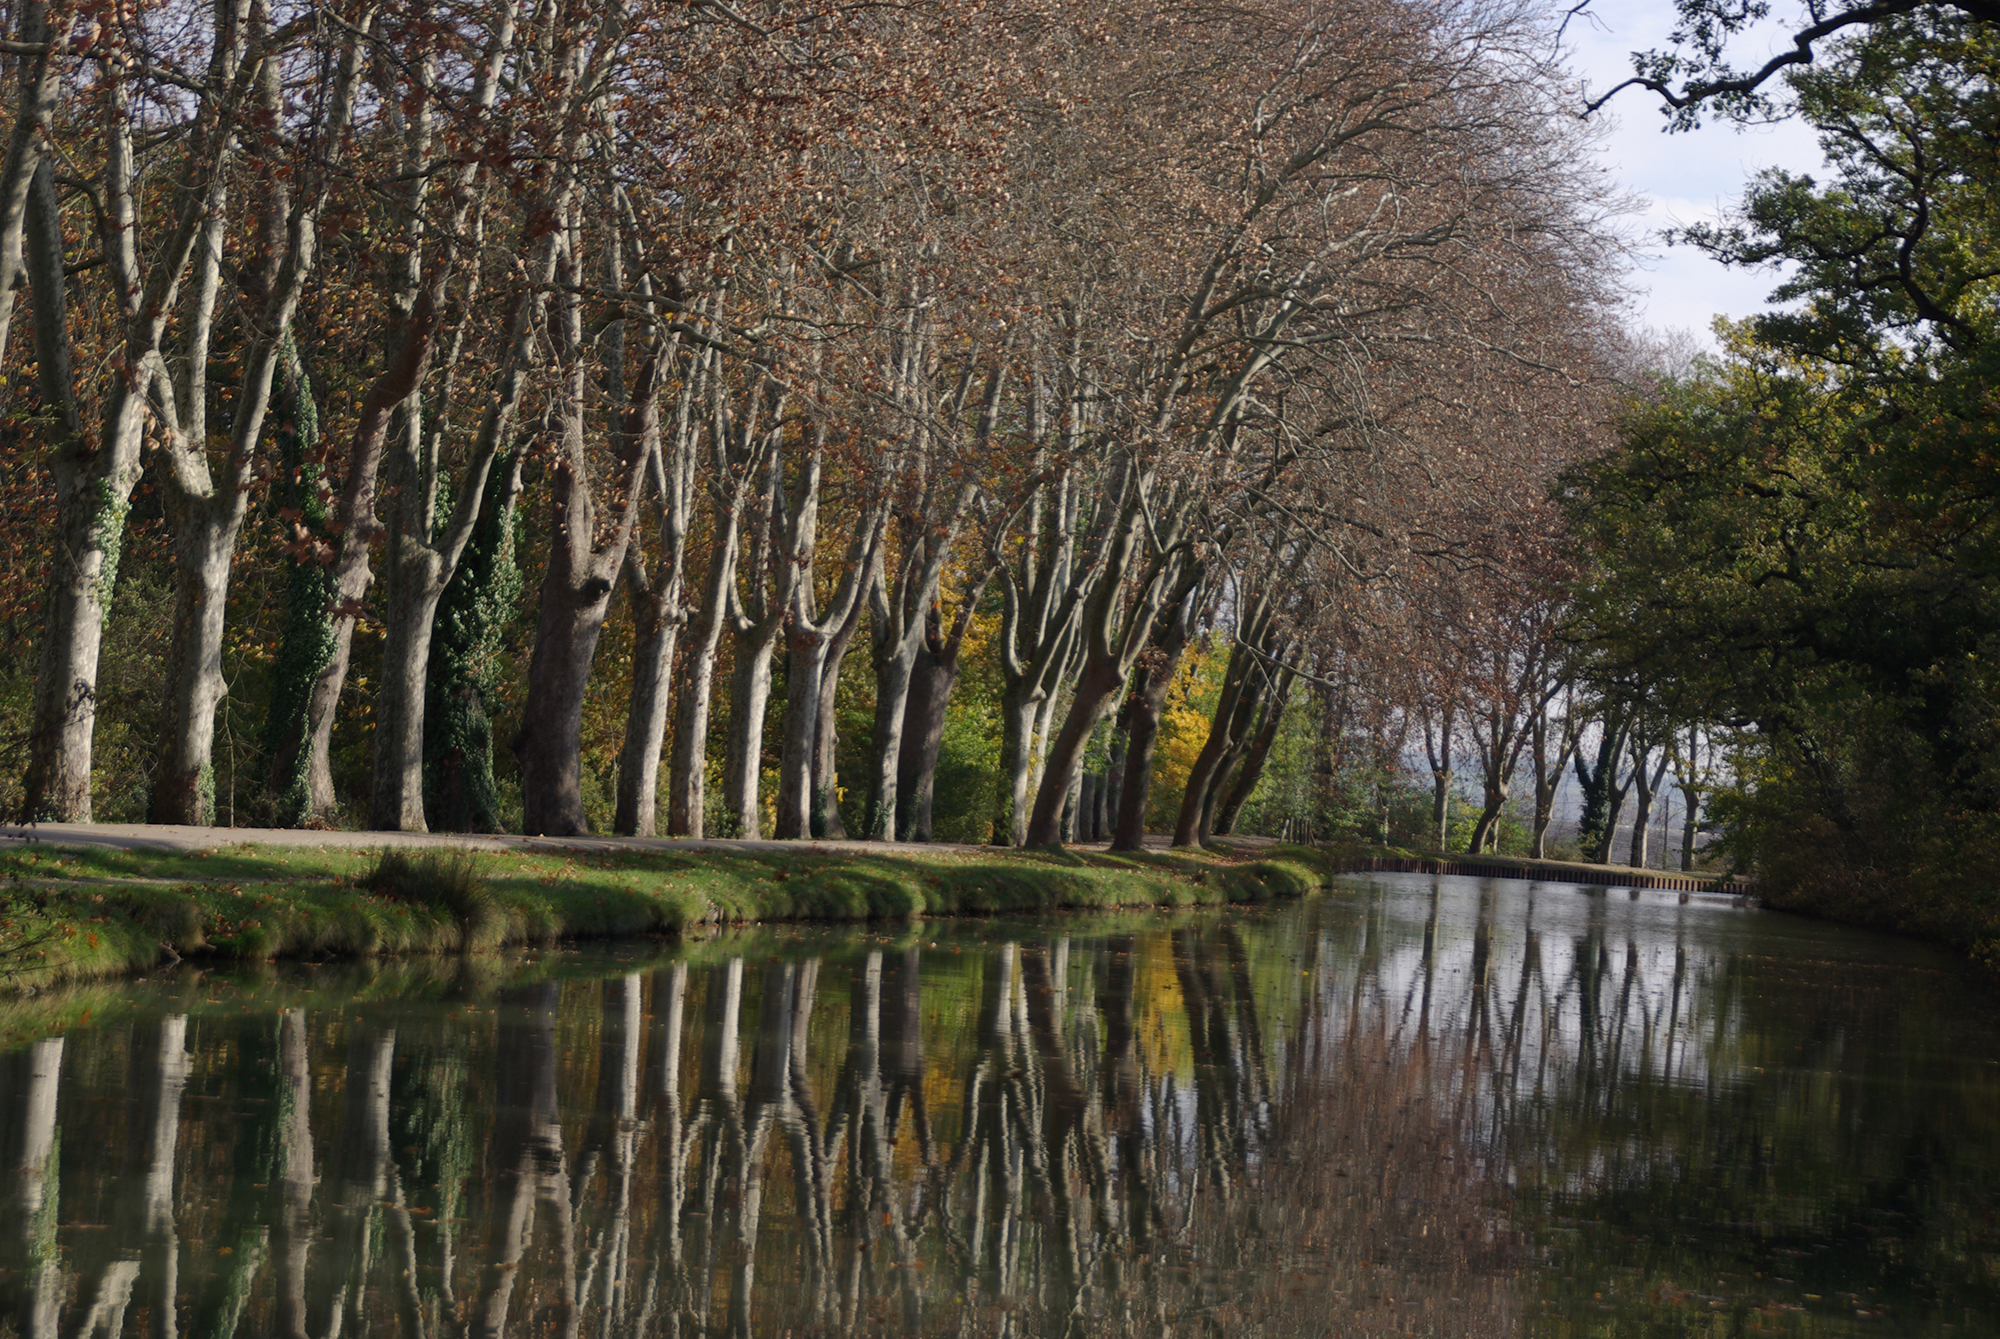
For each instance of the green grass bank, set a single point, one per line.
(82, 913)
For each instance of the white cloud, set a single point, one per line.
(1679, 179)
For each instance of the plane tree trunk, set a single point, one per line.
(1258, 754)
(659, 610)
(584, 559)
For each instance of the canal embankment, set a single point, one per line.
(79, 904)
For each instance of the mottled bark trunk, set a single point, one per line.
(207, 508)
(894, 664)
(1096, 691)
(409, 613)
(583, 564)
(1495, 786)
(827, 823)
(354, 520)
(931, 680)
(1114, 773)
(306, 644)
(805, 669)
(420, 560)
(656, 633)
(1441, 806)
(93, 492)
(413, 579)
(39, 79)
(1639, 850)
(658, 610)
(90, 530)
(1599, 818)
(749, 697)
(1257, 757)
(687, 777)
(1227, 733)
(812, 642)
(1072, 807)
(1115, 629)
(1142, 730)
(1018, 714)
(184, 783)
(549, 747)
(1548, 778)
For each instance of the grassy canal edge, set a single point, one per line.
(71, 914)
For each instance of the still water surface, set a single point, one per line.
(1407, 1106)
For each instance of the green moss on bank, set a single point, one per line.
(80, 913)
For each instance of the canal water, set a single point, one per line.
(1406, 1106)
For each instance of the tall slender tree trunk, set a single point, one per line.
(1142, 729)
(1645, 786)
(409, 613)
(826, 820)
(93, 493)
(1018, 714)
(894, 665)
(354, 520)
(575, 597)
(207, 508)
(1439, 752)
(931, 679)
(934, 674)
(1228, 732)
(810, 638)
(658, 613)
(1603, 797)
(421, 557)
(1259, 754)
(1116, 628)
(1096, 690)
(460, 794)
(306, 644)
(749, 698)
(1548, 772)
(687, 779)
(38, 77)
(584, 564)
(656, 630)
(805, 672)
(204, 543)
(1690, 824)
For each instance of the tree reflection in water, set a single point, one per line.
(1404, 1114)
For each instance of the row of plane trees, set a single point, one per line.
(1468, 718)
(431, 342)
(1508, 729)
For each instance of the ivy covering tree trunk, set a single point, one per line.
(467, 643)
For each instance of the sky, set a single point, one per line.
(1683, 178)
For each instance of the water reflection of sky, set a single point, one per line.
(1409, 1105)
